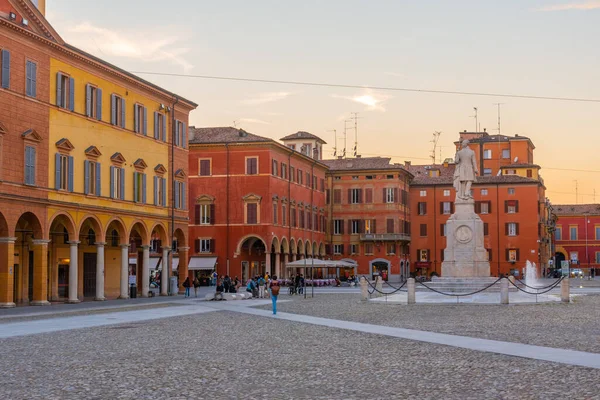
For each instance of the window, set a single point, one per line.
(484, 192)
(338, 227)
(354, 249)
(205, 169)
(180, 134)
(300, 175)
(511, 206)
(251, 166)
(355, 196)
(423, 255)
(574, 256)
(274, 213)
(434, 172)
(370, 226)
(369, 196)
(506, 153)
(292, 146)
(283, 215)
(597, 232)
(389, 195)
(301, 219)
(337, 178)
(511, 190)
(65, 91)
(93, 102)
(390, 225)
(485, 207)
(337, 196)
(423, 193)
(30, 161)
(487, 154)
(530, 173)
(442, 229)
(487, 172)
(389, 176)
(510, 172)
(338, 249)
(423, 230)
(140, 119)
(179, 193)
(284, 171)
(31, 79)
(354, 177)
(446, 193)
(160, 126)
(160, 191)
(573, 232)
(204, 246)
(391, 248)
(5, 69)
(368, 248)
(274, 168)
(252, 213)
(117, 183)
(446, 207)
(370, 177)
(422, 207)
(558, 234)
(63, 172)
(307, 149)
(512, 255)
(204, 214)
(292, 174)
(117, 111)
(92, 177)
(139, 188)
(512, 229)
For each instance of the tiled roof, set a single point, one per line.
(520, 166)
(447, 176)
(497, 138)
(576, 209)
(303, 135)
(362, 163)
(223, 135)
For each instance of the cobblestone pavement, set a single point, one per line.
(573, 326)
(225, 355)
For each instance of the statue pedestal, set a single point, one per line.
(465, 255)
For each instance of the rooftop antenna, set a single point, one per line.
(235, 124)
(475, 116)
(576, 192)
(498, 104)
(345, 135)
(334, 141)
(355, 114)
(436, 138)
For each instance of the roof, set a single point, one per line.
(223, 135)
(495, 138)
(447, 176)
(362, 163)
(303, 135)
(576, 209)
(523, 165)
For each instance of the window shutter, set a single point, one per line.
(197, 214)
(184, 135)
(70, 174)
(59, 89)
(428, 255)
(99, 104)
(212, 214)
(86, 177)
(341, 249)
(176, 193)
(98, 179)
(506, 229)
(135, 187)
(27, 164)
(360, 196)
(507, 253)
(32, 158)
(156, 183)
(34, 80)
(176, 133)
(383, 197)
(112, 182)
(212, 245)
(136, 119)
(123, 113)
(505, 206)
(197, 245)
(342, 227)
(424, 208)
(516, 205)
(517, 228)
(390, 226)
(164, 128)
(349, 196)
(248, 165)
(145, 121)
(164, 192)
(452, 207)
(113, 109)
(518, 255)
(5, 69)
(122, 183)
(88, 100)
(441, 207)
(396, 199)
(28, 79)
(489, 207)
(143, 188)
(71, 94)
(477, 207)
(374, 226)
(156, 128)
(183, 197)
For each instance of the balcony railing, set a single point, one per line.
(385, 237)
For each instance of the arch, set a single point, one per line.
(300, 247)
(140, 228)
(322, 251)
(561, 250)
(238, 249)
(159, 231)
(179, 235)
(90, 221)
(308, 248)
(293, 247)
(4, 232)
(379, 265)
(115, 224)
(285, 246)
(64, 219)
(275, 244)
(315, 249)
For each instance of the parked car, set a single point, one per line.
(576, 272)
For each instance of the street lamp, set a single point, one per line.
(585, 225)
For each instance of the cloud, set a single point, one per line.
(268, 97)
(373, 100)
(254, 121)
(142, 46)
(587, 5)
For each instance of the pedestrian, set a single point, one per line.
(227, 283)
(214, 278)
(186, 285)
(196, 286)
(261, 287)
(274, 290)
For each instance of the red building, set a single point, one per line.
(577, 236)
(369, 214)
(255, 204)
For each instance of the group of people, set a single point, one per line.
(264, 286)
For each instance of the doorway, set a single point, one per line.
(380, 268)
(63, 280)
(89, 274)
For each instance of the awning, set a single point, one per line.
(174, 263)
(154, 262)
(202, 263)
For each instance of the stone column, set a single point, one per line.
(411, 298)
(165, 275)
(182, 270)
(284, 270)
(145, 270)
(124, 272)
(278, 264)
(565, 289)
(378, 286)
(73, 271)
(294, 257)
(100, 271)
(504, 291)
(40, 272)
(268, 262)
(364, 289)
(7, 272)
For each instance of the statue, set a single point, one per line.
(465, 171)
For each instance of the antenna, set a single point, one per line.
(235, 124)
(475, 116)
(436, 138)
(576, 192)
(334, 141)
(498, 104)
(355, 133)
(345, 135)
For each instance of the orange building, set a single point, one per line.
(369, 215)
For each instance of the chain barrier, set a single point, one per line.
(379, 291)
(460, 294)
(555, 284)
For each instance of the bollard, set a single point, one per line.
(511, 278)
(364, 289)
(411, 298)
(504, 291)
(565, 289)
(378, 286)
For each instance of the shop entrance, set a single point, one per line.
(380, 268)
(89, 274)
(63, 280)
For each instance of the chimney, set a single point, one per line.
(407, 163)
(445, 163)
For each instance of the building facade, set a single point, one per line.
(577, 236)
(369, 215)
(96, 169)
(255, 204)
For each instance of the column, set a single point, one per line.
(268, 262)
(164, 277)
(124, 271)
(73, 271)
(7, 272)
(294, 257)
(40, 272)
(278, 264)
(100, 271)
(182, 270)
(145, 270)
(285, 262)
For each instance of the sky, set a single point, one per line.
(542, 48)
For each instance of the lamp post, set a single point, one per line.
(585, 225)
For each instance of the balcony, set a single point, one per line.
(385, 237)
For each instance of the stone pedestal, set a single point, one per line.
(465, 255)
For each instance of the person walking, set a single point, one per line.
(261, 287)
(196, 286)
(186, 285)
(274, 290)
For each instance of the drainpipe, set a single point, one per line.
(498, 223)
(174, 130)
(227, 211)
